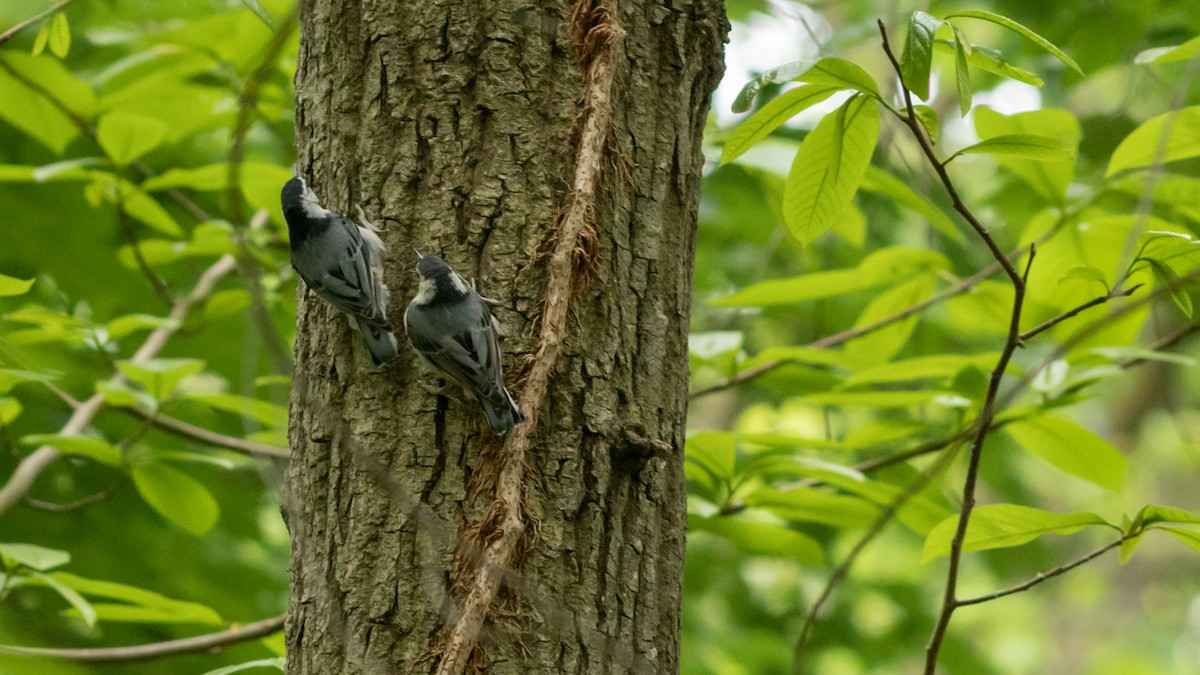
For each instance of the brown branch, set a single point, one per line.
(1050, 323)
(31, 467)
(1042, 576)
(131, 237)
(601, 38)
(206, 436)
(155, 650)
(248, 265)
(17, 28)
(1012, 341)
(858, 331)
(877, 526)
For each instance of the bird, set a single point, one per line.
(453, 331)
(342, 262)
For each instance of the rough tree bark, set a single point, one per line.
(457, 125)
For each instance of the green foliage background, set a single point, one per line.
(122, 130)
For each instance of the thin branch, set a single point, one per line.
(1042, 576)
(11, 32)
(131, 237)
(63, 507)
(156, 650)
(858, 331)
(34, 464)
(1050, 323)
(248, 265)
(1012, 341)
(877, 526)
(206, 436)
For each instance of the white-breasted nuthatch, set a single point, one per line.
(342, 262)
(451, 328)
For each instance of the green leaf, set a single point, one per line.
(1030, 146)
(146, 209)
(875, 399)
(139, 596)
(1085, 272)
(268, 413)
(885, 266)
(256, 7)
(1122, 353)
(160, 377)
(882, 344)
(1154, 513)
(93, 448)
(1071, 448)
(43, 37)
(1189, 537)
(940, 366)
(1183, 52)
(881, 182)
(841, 74)
(918, 53)
(714, 451)
(132, 323)
(828, 167)
(11, 377)
(83, 607)
(123, 396)
(60, 36)
(30, 111)
(806, 287)
(992, 61)
(1004, 526)
(962, 72)
(832, 72)
(785, 73)
(760, 537)
(928, 118)
(260, 663)
(14, 286)
(32, 556)
(125, 136)
(816, 506)
(135, 614)
(177, 497)
(1169, 137)
(774, 113)
(1020, 30)
(10, 409)
(1166, 278)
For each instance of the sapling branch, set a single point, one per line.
(987, 414)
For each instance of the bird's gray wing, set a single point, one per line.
(470, 357)
(350, 284)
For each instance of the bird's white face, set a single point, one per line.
(425, 291)
(310, 203)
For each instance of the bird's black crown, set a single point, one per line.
(433, 267)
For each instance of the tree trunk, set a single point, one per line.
(458, 126)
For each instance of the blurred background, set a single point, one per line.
(171, 79)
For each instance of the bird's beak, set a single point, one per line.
(419, 256)
(296, 170)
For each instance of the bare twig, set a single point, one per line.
(11, 32)
(156, 650)
(596, 20)
(206, 436)
(32, 466)
(1012, 341)
(1050, 323)
(858, 331)
(1042, 576)
(131, 237)
(885, 516)
(248, 265)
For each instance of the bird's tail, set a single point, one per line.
(380, 342)
(502, 412)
